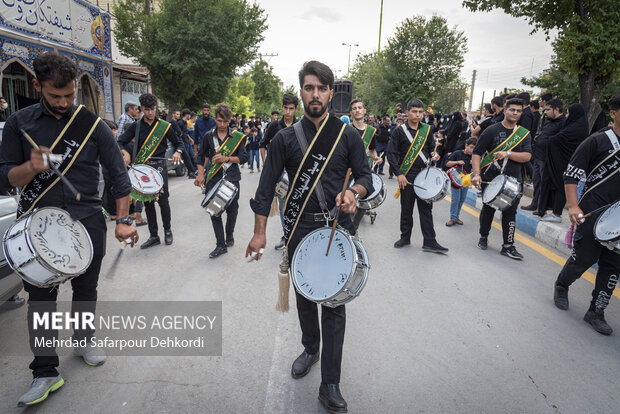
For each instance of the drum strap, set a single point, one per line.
(518, 135)
(228, 147)
(152, 141)
(369, 132)
(606, 168)
(312, 166)
(415, 149)
(79, 129)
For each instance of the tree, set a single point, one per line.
(451, 97)
(160, 41)
(588, 42)
(422, 58)
(267, 93)
(240, 95)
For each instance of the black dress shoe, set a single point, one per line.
(168, 237)
(401, 242)
(152, 241)
(303, 363)
(219, 250)
(230, 241)
(560, 297)
(435, 248)
(330, 397)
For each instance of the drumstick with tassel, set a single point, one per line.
(344, 188)
(117, 258)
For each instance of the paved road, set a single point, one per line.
(472, 331)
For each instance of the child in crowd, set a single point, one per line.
(462, 160)
(253, 148)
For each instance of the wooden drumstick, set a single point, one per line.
(344, 188)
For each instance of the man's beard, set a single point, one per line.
(315, 113)
(58, 110)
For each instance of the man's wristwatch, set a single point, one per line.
(355, 194)
(125, 220)
(179, 151)
(508, 154)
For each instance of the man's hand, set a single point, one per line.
(124, 232)
(126, 157)
(200, 179)
(576, 215)
(461, 162)
(346, 204)
(37, 161)
(500, 155)
(402, 181)
(256, 247)
(378, 160)
(476, 180)
(434, 156)
(176, 157)
(191, 141)
(219, 158)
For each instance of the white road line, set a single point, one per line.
(279, 396)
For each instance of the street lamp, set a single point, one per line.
(349, 64)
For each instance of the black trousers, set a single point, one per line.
(187, 160)
(509, 220)
(333, 320)
(84, 291)
(164, 203)
(408, 199)
(587, 251)
(231, 217)
(357, 218)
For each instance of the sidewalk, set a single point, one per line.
(551, 234)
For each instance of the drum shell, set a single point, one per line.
(23, 258)
(612, 244)
(374, 200)
(509, 193)
(443, 191)
(282, 187)
(224, 192)
(142, 194)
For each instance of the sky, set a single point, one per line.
(500, 47)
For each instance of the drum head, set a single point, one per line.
(493, 190)
(607, 227)
(428, 183)
(211, 193)
(145, 179)
(61, 242)
(456, 176)
(319, 277)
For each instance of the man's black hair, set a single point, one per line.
(546, 97)
(185, 112)
(525, 97)
(515, 101)
(206, 105)
(111, 124)
(471, 141)
(415, 103)
(148, 100)
(54, 68)
(614, 102)
(288, 99)
(488, 107)
(498, 100)
(535, 104)
(318, 69)
(555, 104)
(274, 112)
(254, 130)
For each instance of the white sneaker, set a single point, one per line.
(39, 389)
(552, 218)
(92, 355)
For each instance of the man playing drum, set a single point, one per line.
(409, 150)
(87, 142)
(313, 202)
(151, 136)
(367, 133)
(597, 157)
(226, 150)
(507, 143)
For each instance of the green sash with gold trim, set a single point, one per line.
(416, 147)
(369, 132)
(509, 143)
(227, 148)
(152, 141)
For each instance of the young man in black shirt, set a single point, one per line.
(21, 165)
(141, 130)
(230, 170)
(598, 158)
(316, 81)
(397, 151)
(383, 138)
(490, 139)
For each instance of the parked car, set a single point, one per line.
(179, 169)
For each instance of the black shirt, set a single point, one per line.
(489, 140)
(498, 117)
(285, 154)
(549, 129)
(590, 153)
(145, 130)
(398, 147)
(272, 129)
(527, 120)
(484, 124)
(373, 144)
(207, 150)
(383, 133)
(44, 128)
(459, 155)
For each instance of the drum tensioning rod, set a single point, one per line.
(344, 188)
(65, 180)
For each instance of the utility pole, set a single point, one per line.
(267, 55)
(482, 103)
(349, 64)
(380, 24)
(471, 93)
(532, 68)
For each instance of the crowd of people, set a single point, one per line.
(317, 154)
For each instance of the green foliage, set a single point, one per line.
(423, 60)
(240, 95)
(451, 97)
(185, 72)
(267, 93)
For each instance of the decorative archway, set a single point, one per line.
(89, 94)
(17, 86)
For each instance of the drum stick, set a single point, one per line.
(598, 209)
(344, 188)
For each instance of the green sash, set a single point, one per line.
(509, 143)
(152, 141)
(369, 132)
(416, 147)
(227, 148)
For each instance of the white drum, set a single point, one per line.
(330, 280)
(146, 182)
(431, 184)
(502, 192)
(376, 198)
(607, 228)
(47, 247)
(219, 197)
(282, 187)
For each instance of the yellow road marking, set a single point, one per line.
(590, 277)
